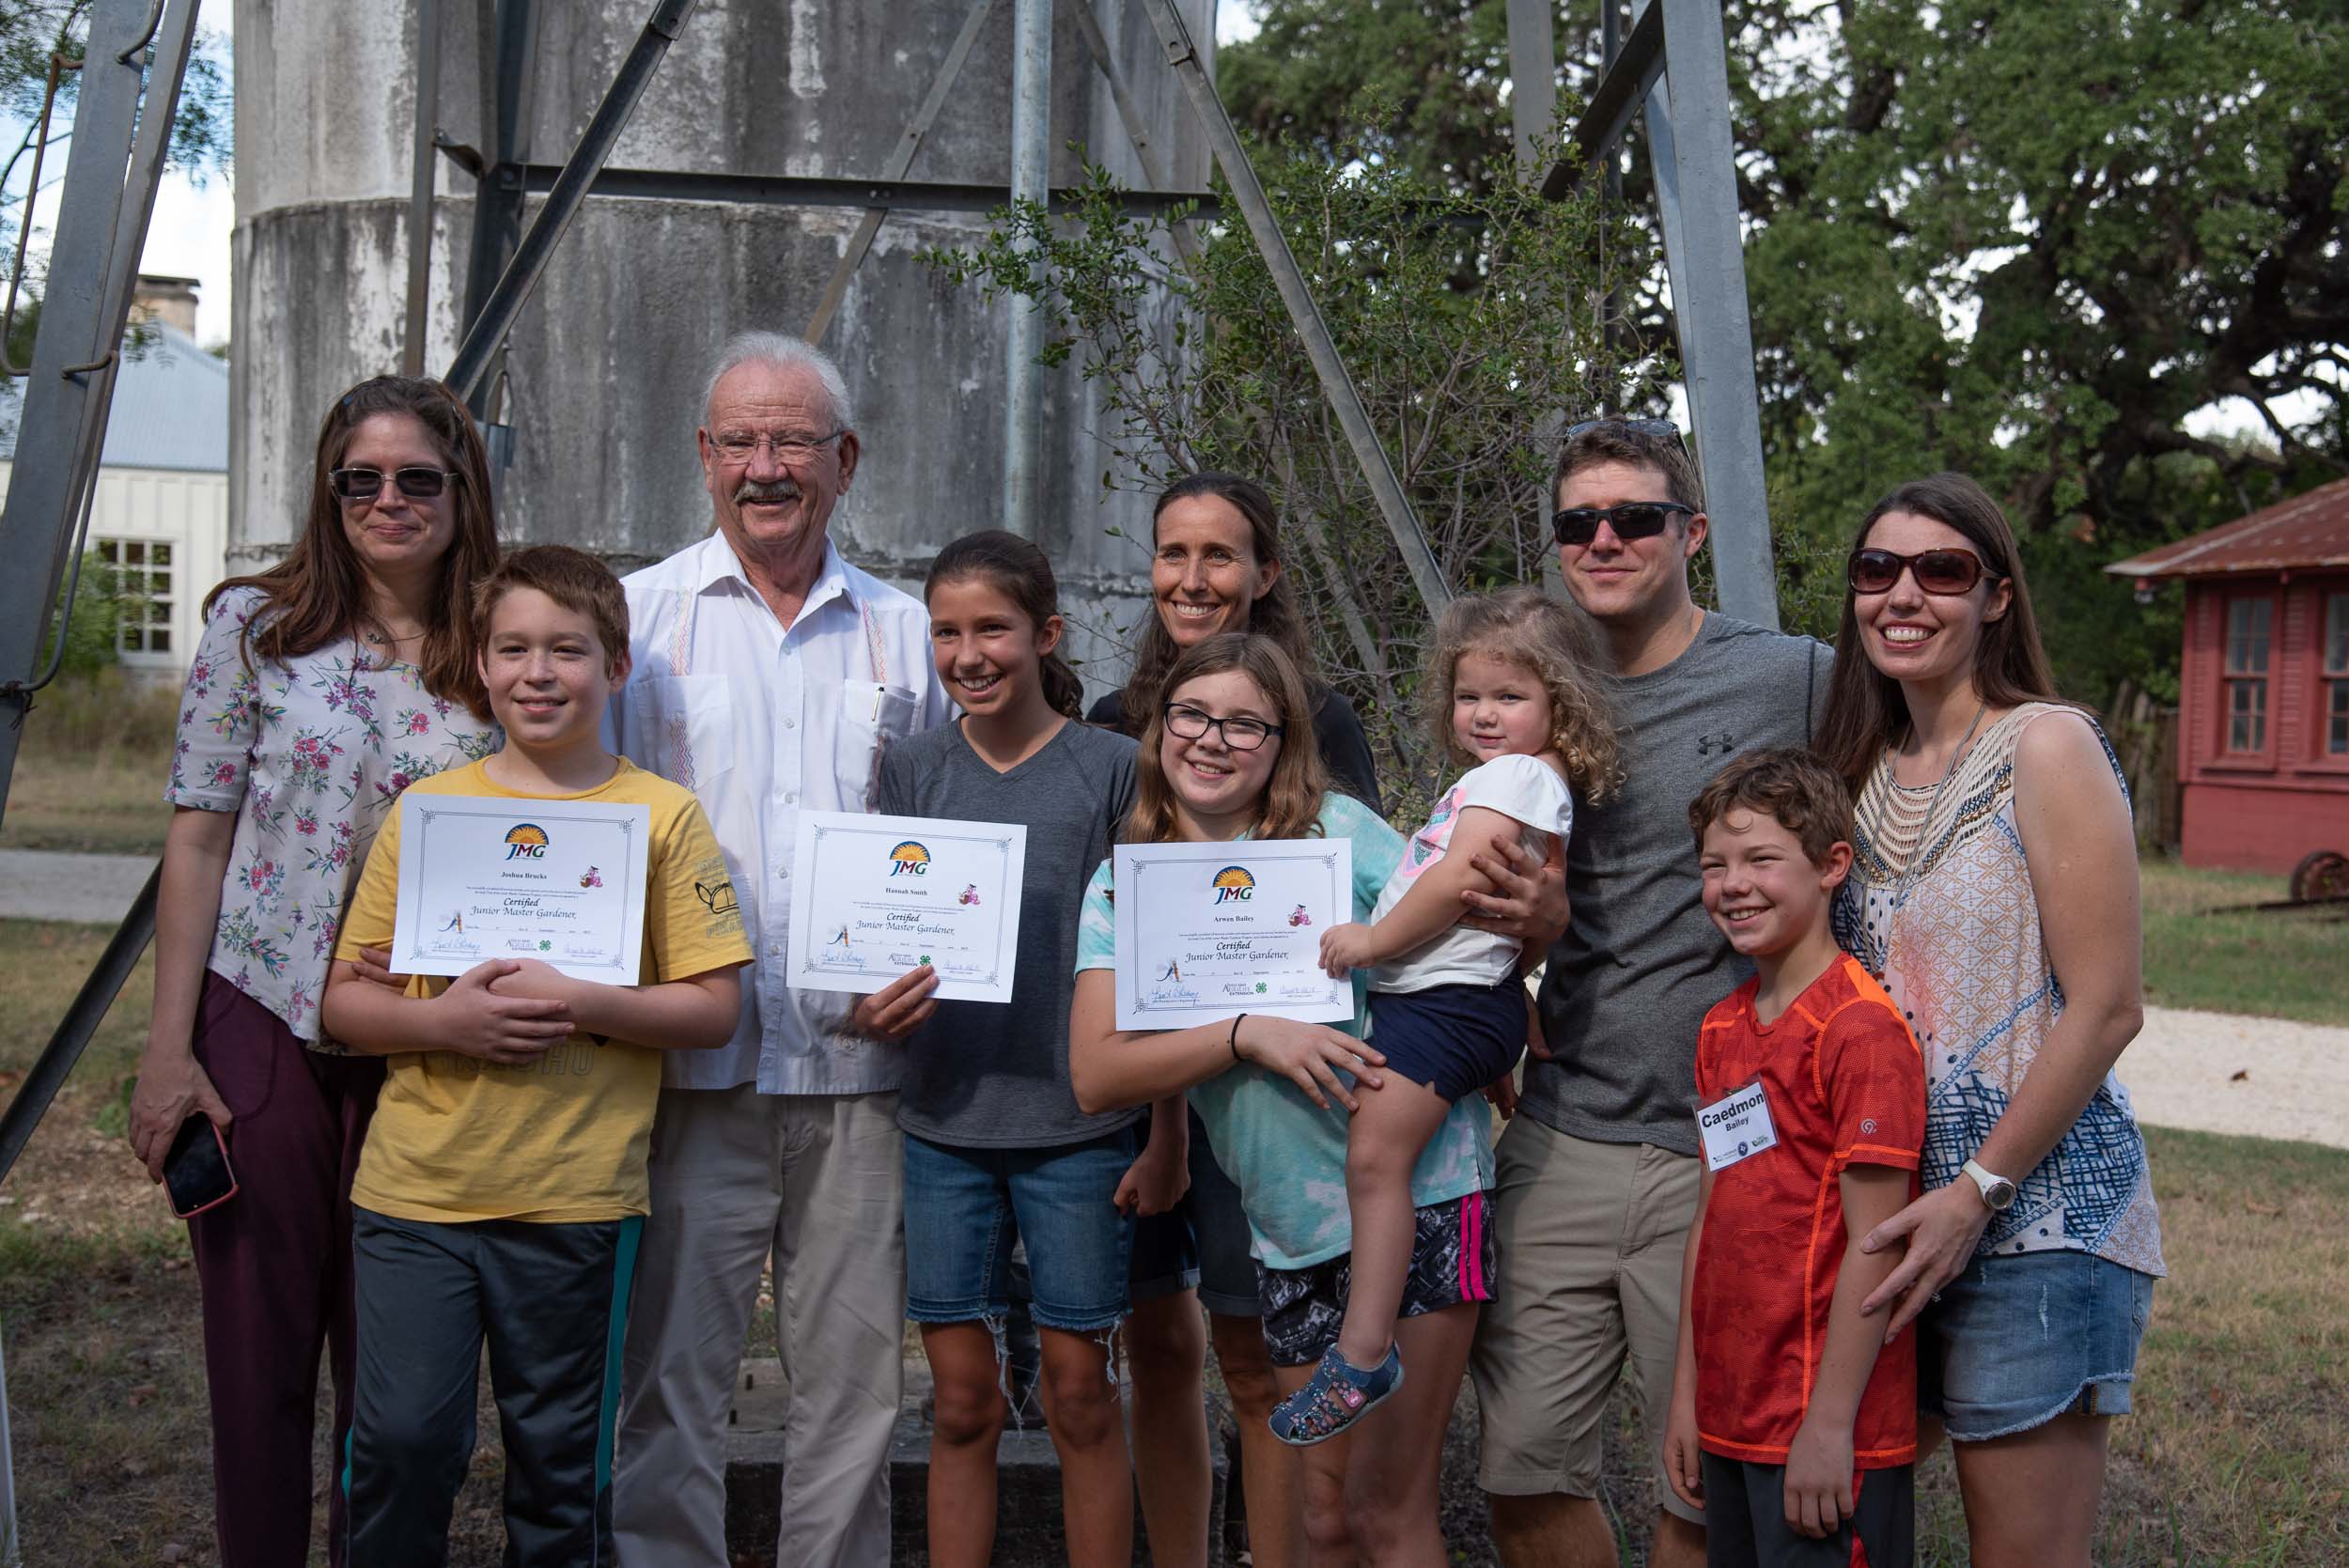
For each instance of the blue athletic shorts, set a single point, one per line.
(1202, 1243)
(1456, 1039)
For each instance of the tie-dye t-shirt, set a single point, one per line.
(1288, 1155)
(1528, 792)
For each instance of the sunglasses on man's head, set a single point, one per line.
(366, 484)
(1631, 519)
(1939, 571)
(1637, 426)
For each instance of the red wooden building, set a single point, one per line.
(2263, 692)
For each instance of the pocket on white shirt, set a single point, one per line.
(691, 728)
(873, 718)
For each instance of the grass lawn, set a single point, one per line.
(90, 774)
(2283, 964)
(2239, 1453)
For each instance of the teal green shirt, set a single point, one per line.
(1287, 1153)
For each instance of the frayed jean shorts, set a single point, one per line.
(2017, 1341)
(965, 1207)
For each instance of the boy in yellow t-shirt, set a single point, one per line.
(501, 1186)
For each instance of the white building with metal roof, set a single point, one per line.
(161, 513)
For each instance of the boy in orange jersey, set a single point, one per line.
(1793, 1422)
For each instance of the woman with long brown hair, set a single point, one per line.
(320, 688)
(1216, 567)
(1994, 891)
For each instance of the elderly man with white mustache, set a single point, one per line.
(768, 677)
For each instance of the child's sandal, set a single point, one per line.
(1338, 1395)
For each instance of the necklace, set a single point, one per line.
(1912, 862)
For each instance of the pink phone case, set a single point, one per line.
(178, 1213)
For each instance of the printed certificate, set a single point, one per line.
(484, 877)
(874, 897)
(1205, 931)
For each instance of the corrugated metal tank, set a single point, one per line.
(608, 360)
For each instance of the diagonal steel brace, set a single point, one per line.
(1336, 385)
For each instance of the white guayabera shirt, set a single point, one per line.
(762, 722)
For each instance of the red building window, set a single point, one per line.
(2337, 674)
(2249, 622)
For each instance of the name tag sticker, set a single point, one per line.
(1736, 1127)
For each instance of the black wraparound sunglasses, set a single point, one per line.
(1630, 519)
(1939, 571)
(366, 484)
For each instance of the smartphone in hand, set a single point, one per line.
(196, 1173)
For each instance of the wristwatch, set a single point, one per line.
(1998, 1193)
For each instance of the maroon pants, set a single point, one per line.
(275, 1265)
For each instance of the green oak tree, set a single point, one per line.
(2026, 238)
(33, 35)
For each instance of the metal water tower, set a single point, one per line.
(751, 106)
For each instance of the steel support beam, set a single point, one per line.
(1023, 336)
(1533, 114)
(1137, 129)
(1532, 77)
(56, 1062)
(771, 190)
(1621, 93)
(1696, 183)
(509, 56)
(1395, 507)
(468, 374)
(900, 160)
(420, 184)
(109, 191)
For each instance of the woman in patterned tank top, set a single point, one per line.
(1994, 893)
(321, 688)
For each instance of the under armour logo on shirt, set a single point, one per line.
(1721, 742)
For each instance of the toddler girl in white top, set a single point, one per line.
(1514, 694)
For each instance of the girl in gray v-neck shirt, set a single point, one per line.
(995, 1075)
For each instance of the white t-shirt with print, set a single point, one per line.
(1522, 788)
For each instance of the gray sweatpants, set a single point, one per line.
(552, 1302)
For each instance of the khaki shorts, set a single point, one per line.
(1591, 1237)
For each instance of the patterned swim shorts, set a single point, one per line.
(1452, 1262)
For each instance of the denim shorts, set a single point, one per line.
(1452, 1262)
(965, 1208)
(2017, 1341)
(1202, 1242)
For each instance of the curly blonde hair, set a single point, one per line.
(1553, 639)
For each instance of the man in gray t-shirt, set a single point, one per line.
(1596, 1183)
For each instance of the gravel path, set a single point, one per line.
(42, 884)
(2225, 1073)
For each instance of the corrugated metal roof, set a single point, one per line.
(2309, 530)
(170, 407)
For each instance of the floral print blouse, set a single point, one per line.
(309, 754)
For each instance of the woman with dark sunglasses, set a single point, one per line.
(320, 688)
(1994, 891)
